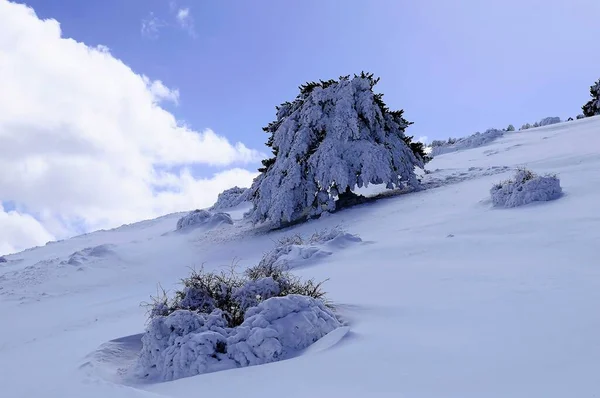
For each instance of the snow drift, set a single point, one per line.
(525, 187)
(186, 343)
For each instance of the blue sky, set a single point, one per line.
(456, 67)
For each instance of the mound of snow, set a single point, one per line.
(186, 343)
(203, 218)
(526, 187)
(82, 256)
(230, 198)
(293, 251)
(473, 141)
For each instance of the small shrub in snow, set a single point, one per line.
(230, 198)
(580, 116)
(510, 128)
(203, 217)
(549, 120)
(592, 107)
(544, 122)
(525, 187)
(188, 343)
(3, 260)
(526, 126)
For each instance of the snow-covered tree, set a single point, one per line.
(592, 107)
(510, 128)
(336, 135)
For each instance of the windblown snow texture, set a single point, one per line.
(186, 343)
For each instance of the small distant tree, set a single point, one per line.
(335, 136)
(510, 128)
(592, 107)
(580, 116)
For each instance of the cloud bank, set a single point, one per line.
(85, 143)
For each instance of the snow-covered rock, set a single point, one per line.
(203, 218)
(230, 198)
(524, 188)
(186, 343)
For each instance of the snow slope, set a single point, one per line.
(445, 297)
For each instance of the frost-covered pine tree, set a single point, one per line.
(510, 128)
(335, 136)
(592, 107)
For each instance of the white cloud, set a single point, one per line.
(18, 231)
(83, 139)
(160, 92)
(151, 26)
(186, 21)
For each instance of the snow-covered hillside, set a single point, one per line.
(445, 296)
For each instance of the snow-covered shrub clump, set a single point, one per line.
(294, 250)
(187, 343)
(525, 187)
(203, 217)
(549, 120)
(230, 198)
(335, 136)
(592, 107)
(224, 320)
(544, 122)
(473, 141)
(3, 260)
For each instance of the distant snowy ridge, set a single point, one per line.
(473, 141)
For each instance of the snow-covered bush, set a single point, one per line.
(544, 122)
(225, 320)
(3, 260)
(203, 217)
(231, 197)
(525, 187)
(510, 128)
(580, 116)
(335, 136)
(294, 250)
(187, 343)
(548, 121)
(526, 126)
(592, 107)
(473, 141)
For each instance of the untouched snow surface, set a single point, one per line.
(450, 297)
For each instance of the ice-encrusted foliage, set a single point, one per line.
(335, 135)
(203, 217)
(525, 187)
(231, 197)
(478, 139)
(592, 107)
(186, 343)
(547, 121)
